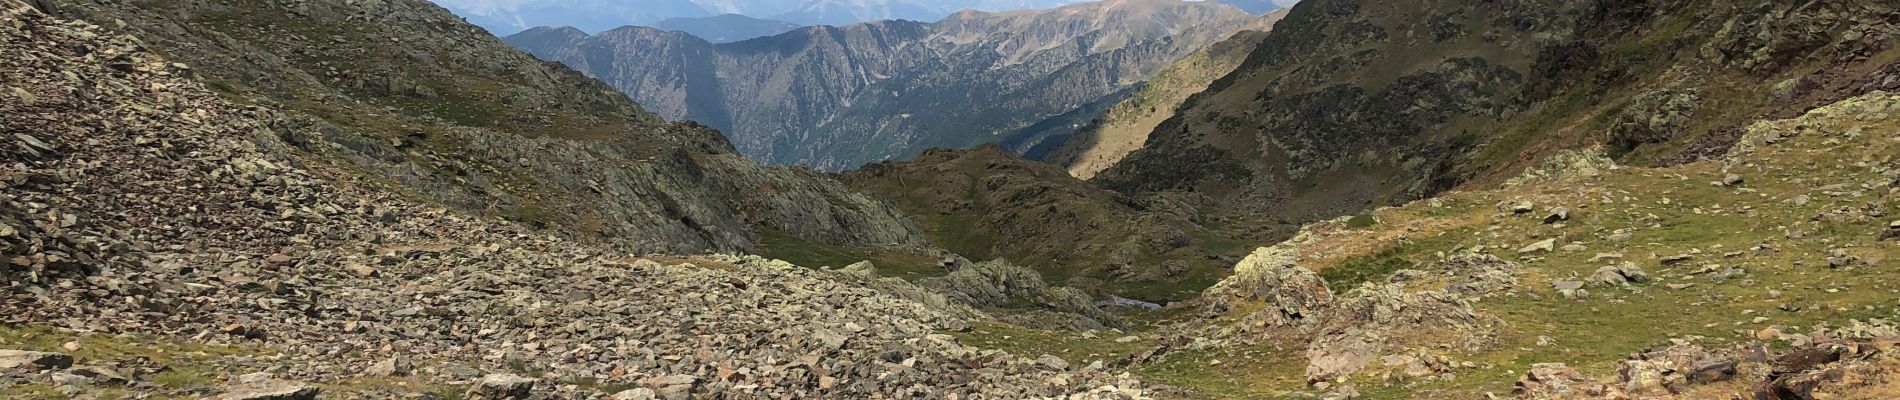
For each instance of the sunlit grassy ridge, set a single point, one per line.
(1827, 189)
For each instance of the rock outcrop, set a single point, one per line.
(998, 284)
(1346, 333)
(1294, 296)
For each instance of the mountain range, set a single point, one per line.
(725, 28)
(1430, 199)
(506, 17)
(835, 97)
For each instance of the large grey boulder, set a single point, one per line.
(34, 360)
(261, 386)
(501, 387)
(1269, 275)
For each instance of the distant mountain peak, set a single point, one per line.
(835, 97)
(506, 17)
(725, 28)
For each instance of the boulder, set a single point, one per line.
(635, 394)
(1390, 306)
(1053, 362)
(34, 360)
(1557, 214)
(501, 387)
(1333, 356)
(1571, 289)
(1342, 392)
(262, 387)
(1294, 295)
(100, 374)
(1622, 274)
(1544, 246)
(395, 366)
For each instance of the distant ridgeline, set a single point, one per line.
(838, 97)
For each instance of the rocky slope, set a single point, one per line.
(1125, 126)
(1768, 263)
(159, 240)
(838, 97)
(726, 28)
(984, 203)
(1351, 104)
(407, 94)
(1760, 274)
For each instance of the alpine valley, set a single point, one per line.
(883, 199)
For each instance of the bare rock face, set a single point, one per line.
(1369, 319)
(1655, 117)
(1391, 305)
(1336, 355)
(1294, 295)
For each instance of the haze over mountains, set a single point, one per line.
(838, 97)
(725, 28)
(506, 17)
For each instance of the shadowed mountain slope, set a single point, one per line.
(1352, 104)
